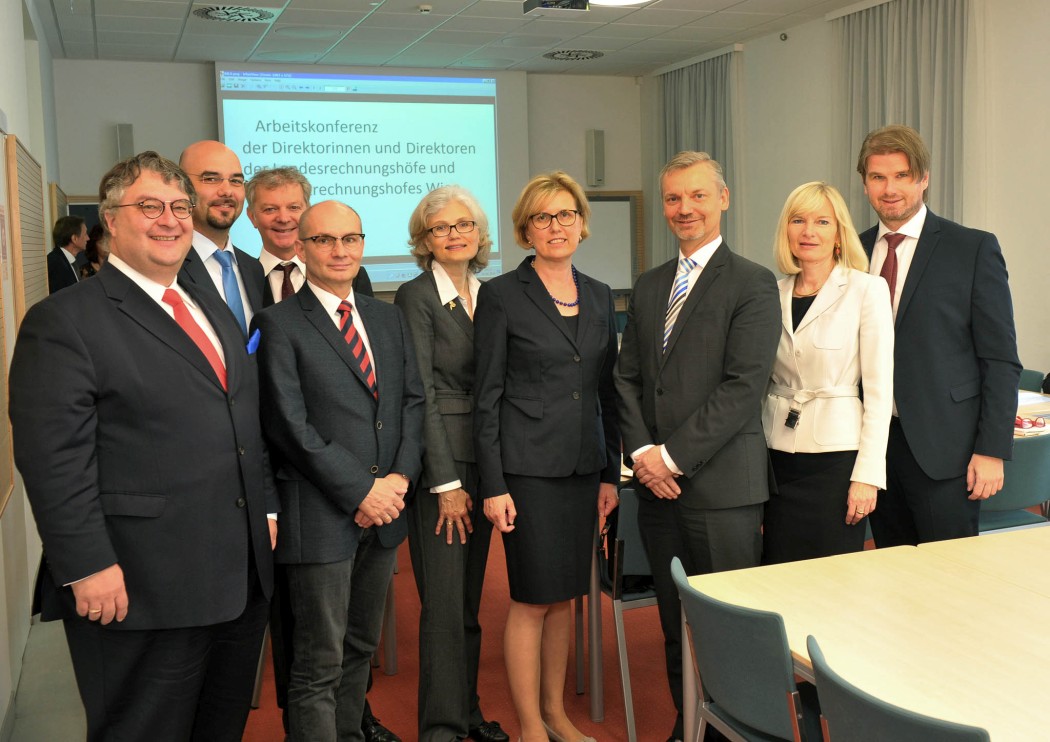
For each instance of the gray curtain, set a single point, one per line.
(906, 62)
(698, 106)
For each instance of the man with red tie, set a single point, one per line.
(135, 415)
(342, 406)
(955, 350)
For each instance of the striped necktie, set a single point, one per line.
(357, 346)
(679, 292)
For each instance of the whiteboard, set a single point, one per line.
(610, 253)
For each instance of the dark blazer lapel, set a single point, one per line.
(195, 273)
(318, 317)
(707, 278)
(136, 304)
(538, 295)
(928, 240)
(826, 298)
(250, 270)
(453, 309)
(589, 309)
(229, 333)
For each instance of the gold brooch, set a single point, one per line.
(452, 305)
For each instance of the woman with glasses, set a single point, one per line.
(546, 438)
(449, 544)
(827, 411)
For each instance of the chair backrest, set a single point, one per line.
(852, 715)
(635, 560)
(1031, 381)
(1026, 480)
(743, 658)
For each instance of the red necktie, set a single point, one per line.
(286, 283)
(357, 346)
(889, 266)
(190, 327)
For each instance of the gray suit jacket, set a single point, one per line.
(702, 399)
(329, 438)
(444, 343)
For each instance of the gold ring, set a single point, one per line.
(95, 610)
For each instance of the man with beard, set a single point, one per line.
(214, 263)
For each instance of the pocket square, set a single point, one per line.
(253, 341)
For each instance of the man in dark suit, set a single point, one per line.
(214, 263)
(955, 351)
(70, 235)
(275, 200)
(342, 405)
(150, 487)
(701, 336)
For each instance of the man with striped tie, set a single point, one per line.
(701, 335)
(342, 408)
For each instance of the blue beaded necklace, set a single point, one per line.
(575, 280)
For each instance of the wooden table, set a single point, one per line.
(1021, 557)
(921, 630)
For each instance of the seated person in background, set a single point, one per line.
(827, 444)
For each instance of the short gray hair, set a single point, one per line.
(275, 178)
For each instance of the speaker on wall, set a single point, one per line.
(125, 141)
(596, 157)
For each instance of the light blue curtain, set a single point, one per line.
(905, 62)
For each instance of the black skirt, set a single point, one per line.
(806, 519)
(549, 550)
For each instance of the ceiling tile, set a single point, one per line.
(137, 24)
(733, 20)
(473, 39)
(320, 17)
(79, 51)
(494, 9)
(142, 8)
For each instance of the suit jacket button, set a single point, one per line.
(575, 395)
(576, 358)
(241, 450)
(379, 425)
(373, 469)
(659, 391)
(241, 502)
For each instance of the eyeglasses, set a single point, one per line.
(152, 208)
(565, 217)
(214, 179)
(327, 241)
(444, 230)
(1025, 423)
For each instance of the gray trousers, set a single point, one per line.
(449, 579)
(338, 610)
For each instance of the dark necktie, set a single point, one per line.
(286, 283)
(357, 346)
(190, 327)
(889, 266)
(231, 288)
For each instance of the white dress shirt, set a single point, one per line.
(905, 251)
(206, 250)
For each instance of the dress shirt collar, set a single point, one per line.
(206, 248)
(270, 261)
(704, 254)
(330, 301)
(153, 289)
(911, 228)
(447, 290)
(69, 256)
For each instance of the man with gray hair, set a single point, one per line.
(701, 336)
(149, 486)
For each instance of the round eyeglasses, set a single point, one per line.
(152, 208)
(444, 230)
(565, 217)
(327, 241)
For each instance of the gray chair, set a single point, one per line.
(747, 681)
(848, 714)
(1026, 484)
(1032, 381)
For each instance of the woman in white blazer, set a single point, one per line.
(827, 410)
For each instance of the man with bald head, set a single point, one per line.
(214, 263)
(342, 406)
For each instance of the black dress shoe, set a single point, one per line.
(488, 731)
(376, 732)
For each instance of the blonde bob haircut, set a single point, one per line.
(540, 189)
(807, 199)
(431, 204)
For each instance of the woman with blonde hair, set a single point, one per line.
(546, 439)
(827, 411)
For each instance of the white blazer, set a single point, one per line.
(844, 342)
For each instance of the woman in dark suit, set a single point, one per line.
(546, 438)
(449, 236)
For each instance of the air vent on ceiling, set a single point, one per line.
(573, 55)
(234, 14)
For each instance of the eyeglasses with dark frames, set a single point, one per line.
(565, 217)
(152, 208)
(214, 179)
(327, 241)
(444, 230)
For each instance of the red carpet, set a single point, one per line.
(393, 697)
